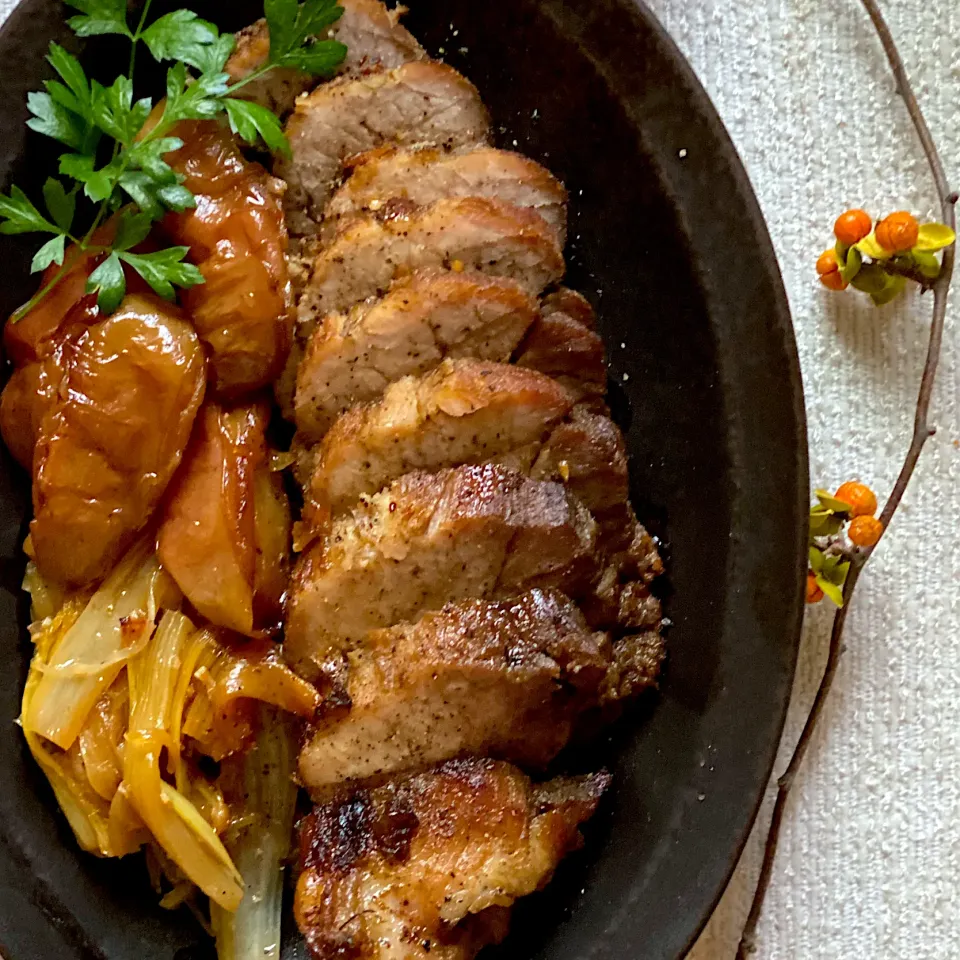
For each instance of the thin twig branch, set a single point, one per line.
(922, 431)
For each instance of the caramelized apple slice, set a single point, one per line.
(225, 534)
(237, 237)
(113, 436)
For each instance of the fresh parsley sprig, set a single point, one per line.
(115, 158)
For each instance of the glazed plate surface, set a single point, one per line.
(668, 242)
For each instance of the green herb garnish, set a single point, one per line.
(111, 166)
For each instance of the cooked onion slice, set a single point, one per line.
(267, 797)
(175, 822)
(118, 619)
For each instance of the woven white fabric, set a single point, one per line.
(870, 851)
(870, 854)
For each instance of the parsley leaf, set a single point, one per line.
(293, 24)
(281, 16)
(51, 252)
(250, 121)
(183, 36)
(100, 17)
(152, 182)
(165, 268)
(98, 185)
(65, 111)
(53, 119)
(148, 156)
(295, 32)
(176, 197)
(62, 205)
(141, 188)
(115, 112)
(132, 229)
(213, 57)
(109, 283)
(21, 216)
(320, 59)
(201, 100)
(77, 95)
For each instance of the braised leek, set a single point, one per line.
(87, 813)
(228, 681)
(116, 621)
(176, 824)
(260, 848)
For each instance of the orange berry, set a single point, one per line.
(833, 281)
(828, 262)
(851, 227)
(814, 593)
(828, 267)
(864, 531)
(900, 231)
(862, 500)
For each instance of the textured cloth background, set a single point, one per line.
(870, 852)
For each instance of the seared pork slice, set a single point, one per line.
(587, 453)
(426, 867)
(430, 539)
(574, 305)
(372, 35)
(499, 416)
(422, 177)
(637, 659)
(469, 234)
(621, 598)
(465, 411)
(424, 318)
(418, 102)
(492, 678)
(562, 347)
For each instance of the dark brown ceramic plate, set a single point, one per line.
(668, 242)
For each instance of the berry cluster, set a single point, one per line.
(839, 525)
(899, 248)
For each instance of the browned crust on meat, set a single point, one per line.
(419, 177)
(495, 678)
(465, 411)
(422, 320)
(427, 539)
(469, 234)
(411, 868)
(574, 305)
(588, 454)
(564, 348)
(637, 659)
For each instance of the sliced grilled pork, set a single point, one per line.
(424, 176)
(620, 598)
(470, 411)
(425, 868)
(637, 659)
(562, 346)
(418, 102)
(470, 234)
(574, 305)
(430, 539)
(373, 37)
(492, 678)
(424, 318)
(588, 455)
(465, 411)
